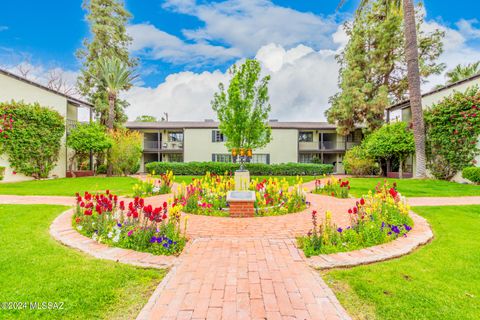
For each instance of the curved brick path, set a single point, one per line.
(245, 268)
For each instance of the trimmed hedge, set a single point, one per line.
(472, 174)
(256, 169)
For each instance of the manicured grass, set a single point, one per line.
(291, 179)
(439, 281)
(416, 187)
(35, 268)
(69, 186)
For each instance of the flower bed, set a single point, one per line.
(378, 218)
(333, 187)
(132, 226)
(208, 196)
(151, 187)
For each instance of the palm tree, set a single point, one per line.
(413, 76)
(463, 72)
(115, 76)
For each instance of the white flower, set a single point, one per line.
(116, 238)
(110, 235)
(156, 189)
(79, 227)
(95, 237)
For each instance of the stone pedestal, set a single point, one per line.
(241, 204)
(242, 180)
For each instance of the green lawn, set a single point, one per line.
(291, 179)
(416, 187)
(439, 281)
(35, 268)
(69, 186)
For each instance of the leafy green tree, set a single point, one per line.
(33, 143)
(374, 68)
(244, 107)
(86, 138)
(126, 151)
(461, 72)
(453, 130)
(392, 141)
(107, 20)
(114, 76)
(146, 118)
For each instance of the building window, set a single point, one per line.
(305, 158)
(305, 136)
(350, 137)
(175, 136)
(218, 136)
(175, 157)
(260, 158)
(220, 157)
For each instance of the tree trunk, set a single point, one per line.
(413, 75)
(111, 115)
(400, 168)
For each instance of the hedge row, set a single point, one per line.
(200, 168)
(472, 174)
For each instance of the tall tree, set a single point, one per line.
(114, 76)
(415, 93)
(373, 66)
(244, 107)
(413, 73)
(461, 72)
(107, 20)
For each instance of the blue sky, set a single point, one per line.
(185, 46)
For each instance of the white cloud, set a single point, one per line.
(302, 80)
(467, 29)
(457, 49)
(152, 43)
(232, 29)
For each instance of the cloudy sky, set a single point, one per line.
(186, 46)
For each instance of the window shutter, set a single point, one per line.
(268, 158)
(213, 157)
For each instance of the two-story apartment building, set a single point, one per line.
(13, 87)
(186, 141)
(402, 111)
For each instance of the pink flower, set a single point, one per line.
(130, 233)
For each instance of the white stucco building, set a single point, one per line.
(13, 87)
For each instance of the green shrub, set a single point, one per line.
(200, 168)
(453, 129)
(2, 173)
(33, 142)
(126, 151)
(102, 169)
(472, 174)
(86, 138)
(356, 162)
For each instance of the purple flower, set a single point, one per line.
(165, 245)
(159, 240)
(383, 225)
(395, 229)
(153, 239)
(119, 225)
(407, 227)
(340, 230)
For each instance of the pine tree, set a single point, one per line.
(373, 70)
(107, 20)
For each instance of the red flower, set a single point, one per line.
(333, 194)
(393, 193)
(355, 210)
(14, 172)
(350, 211)
(165, 204)
(88, 212)
(362, 201)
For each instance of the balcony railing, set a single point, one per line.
(148, 144)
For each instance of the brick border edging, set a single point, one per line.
(61, 230)
(420, 234)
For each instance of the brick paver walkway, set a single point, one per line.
(246, 268)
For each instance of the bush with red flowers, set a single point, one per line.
(374, 219)
(453, 130)
(137, 226)
(333, 187)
